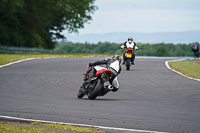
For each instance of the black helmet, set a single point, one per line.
(117, 57)
(130, 39)
(194, 46)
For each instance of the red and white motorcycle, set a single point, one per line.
(96, 86)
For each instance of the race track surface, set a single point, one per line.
(151, 97)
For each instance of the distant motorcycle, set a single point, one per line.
(195, 49)
(129, 53)
(128, 57)
(94, 89)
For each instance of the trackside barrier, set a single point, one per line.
(6, 49)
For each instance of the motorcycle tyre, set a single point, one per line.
(197, 54)
(128, 63)
(96, 90)
(80, 93)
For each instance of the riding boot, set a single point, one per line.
(133, 59)
(91, 75)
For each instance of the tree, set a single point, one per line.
(38, 23)
(161, 51)
(9, 22)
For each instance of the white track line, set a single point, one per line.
(82, 125)
(24, 60)
(167, 65)
(16, 62)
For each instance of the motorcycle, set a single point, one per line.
(195, 49)
(128, 57)
(196, 54)
(96, 86)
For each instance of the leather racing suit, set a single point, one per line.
(195, 49)
(111, 64)
(129, 45)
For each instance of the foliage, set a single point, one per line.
(103, 48)
(159, 49)
(37, 23)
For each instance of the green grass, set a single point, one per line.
(6, 58)
(6, 128)
(190, 68)
(69, 127)
(35, 127)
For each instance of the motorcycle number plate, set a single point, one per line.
(129, 55)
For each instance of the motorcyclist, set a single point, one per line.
(195, 49)
(114, 66)
(131, 45)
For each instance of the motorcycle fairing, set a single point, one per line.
(101, 70)
(129, 54)
(87, 70)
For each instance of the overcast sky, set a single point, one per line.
(144, 16)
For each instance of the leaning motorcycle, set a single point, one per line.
(96, 86)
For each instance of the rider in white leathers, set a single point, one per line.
(114, 66)
(131, 45)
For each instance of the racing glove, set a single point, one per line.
(90, 64)
(136, 48)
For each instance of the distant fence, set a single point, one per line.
(5, 49)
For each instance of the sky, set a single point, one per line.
(144, 16)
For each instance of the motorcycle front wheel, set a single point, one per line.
(97, 89)
(128, 61)
(80, 93)
(197, 54)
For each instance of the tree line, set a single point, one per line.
(159, 49)
(38, 23)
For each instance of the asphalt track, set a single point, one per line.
(151, 97)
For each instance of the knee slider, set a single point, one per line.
(115, 89)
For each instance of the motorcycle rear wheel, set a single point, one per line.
(93, 94)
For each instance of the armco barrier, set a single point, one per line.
(5, 49)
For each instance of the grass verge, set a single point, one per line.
(36, 127)
(6, 58)
(188, 68)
